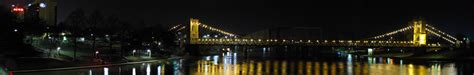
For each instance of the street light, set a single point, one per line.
(133, 52)
(149, 52)
(96, 54)
(58, 50)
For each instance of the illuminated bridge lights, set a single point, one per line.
(310, 42)
(341, 41)
(215, 29)
(441, 32)
(430, 31)
(253, 41)
(393, 32)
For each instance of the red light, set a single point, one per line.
(18, 10)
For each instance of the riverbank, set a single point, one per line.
(45, 64)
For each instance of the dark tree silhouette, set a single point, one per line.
(75, 23)
(95, 22)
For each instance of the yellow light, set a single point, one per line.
(422, 40)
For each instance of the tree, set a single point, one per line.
(95, 21)
(76, 21)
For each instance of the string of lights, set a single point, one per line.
(174, 27)
(393, 32)
(429, 26)
(432, 32)
(218, 30)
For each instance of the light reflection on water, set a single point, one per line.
(375, 66)
(234, 64)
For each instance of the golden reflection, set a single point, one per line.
(422, 70)
(292, 67)
(341, 68)
(308, 68)
(259, 68)
(268, 67)
(411, 69)
(333, 69)
(283, 68)
(358, 69)
(236, 69)
(325, 68)
(300, 68)
(366, 69)
(316, 68)
(275, 68)
(244, 69)
(251, 68)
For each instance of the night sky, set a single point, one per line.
(336, 17)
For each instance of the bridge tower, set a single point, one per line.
(194, 31)
(419, 32)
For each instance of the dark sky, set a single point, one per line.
(338, 17)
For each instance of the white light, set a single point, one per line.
(16, 30)
(90, 72)
(159, 70)
(59, 48)
(64, 38)
(96, 52)
(148, 69)
(134, 71)
(216, 59)
(148, 50)
(370, 51)
(208, 58)
(42, 5)
(29, 4)
(82, 39)
(106, 71)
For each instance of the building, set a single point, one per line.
(44, 9)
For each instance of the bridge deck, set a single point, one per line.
(362, 43)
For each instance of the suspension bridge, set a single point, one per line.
(419, 31)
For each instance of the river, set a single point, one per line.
(266, 61)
